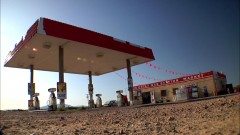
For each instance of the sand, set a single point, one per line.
(219, 116)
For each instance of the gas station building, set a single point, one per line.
(58, 47)
(165, 91)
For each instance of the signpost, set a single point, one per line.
(31, 88)
(30, 104)
(61, 91)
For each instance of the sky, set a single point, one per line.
(186, 36)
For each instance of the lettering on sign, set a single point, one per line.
(61, 95)
(182, 79)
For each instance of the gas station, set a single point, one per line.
(58, 47)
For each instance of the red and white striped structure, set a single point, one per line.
(84, 50)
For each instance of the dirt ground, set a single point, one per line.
(213, 116)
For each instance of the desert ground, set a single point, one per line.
(218, 116)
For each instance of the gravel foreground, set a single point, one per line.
(219, 116)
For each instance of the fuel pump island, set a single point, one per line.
(50, 45)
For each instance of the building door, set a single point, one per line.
(174, 94)
(146, 97)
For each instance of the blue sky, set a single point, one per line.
(187, 36)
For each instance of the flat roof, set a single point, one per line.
(181, 80)
(84, 50)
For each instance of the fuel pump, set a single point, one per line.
(99, 100)
(120, 100)
(52, 102)
(36, 101)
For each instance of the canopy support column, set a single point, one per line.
(130, 82)
(61, 73)
(31, 79)
(90, 89)
(32, 73)
(31, 89)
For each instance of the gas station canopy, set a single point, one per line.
(84, 50)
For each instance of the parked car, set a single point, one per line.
(110, 103)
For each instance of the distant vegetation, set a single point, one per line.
(14, 110)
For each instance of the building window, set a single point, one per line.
(174, 91)
(163, 93)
